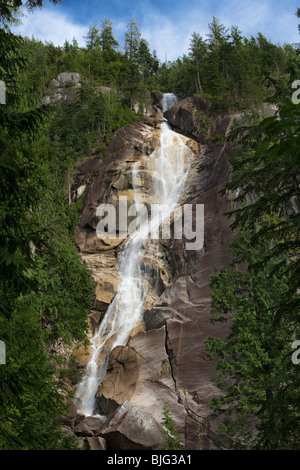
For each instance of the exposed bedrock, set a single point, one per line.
(164, 359)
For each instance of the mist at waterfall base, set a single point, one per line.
(170, 168)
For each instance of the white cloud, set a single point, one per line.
(168, 31)
(171, 37)
(277, 22)
(166, 38)
(47, 25)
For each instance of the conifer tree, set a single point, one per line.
(132, 44)
(260, 383)
(93, 38)
(107, 40)
(198, 55)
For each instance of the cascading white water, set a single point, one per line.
(169, 167)
(168, 100)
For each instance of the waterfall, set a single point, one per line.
(168, 100)
(169, 165)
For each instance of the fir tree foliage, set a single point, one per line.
(259, 295)
(44, 287)
(171, 439)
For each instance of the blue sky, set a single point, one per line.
(166, 25)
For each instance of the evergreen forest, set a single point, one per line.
(46, 290)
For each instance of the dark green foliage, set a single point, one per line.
(44, 287)
(101, 62)
(64, 283)
(86, 122)
(236, 72)
(259, 296)
(171, 439)
(269, 173)
(259, 382)
(107, 41)
(29, 398)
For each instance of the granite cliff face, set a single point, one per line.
(164, 359)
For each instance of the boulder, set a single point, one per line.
(66, 78)
(80, 417)
(131, 428)
(190, 116)
(64, 86)
(94, 423)
(83, 430)
(120, 380)
(106, 289)
(105, 90)
(67, 432)
(96, 443)
(81, 356)
(87, 426)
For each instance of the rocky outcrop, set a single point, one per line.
(193, 116)
(164, 360)
(63, 87)
(105, 181)
(85, 431)
(65, 79)
(131, 428)
(120, 381)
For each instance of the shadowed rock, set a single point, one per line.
(131, 428)
(120, 380)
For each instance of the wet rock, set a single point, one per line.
(120, 380)
(94, 319)
(167, 361)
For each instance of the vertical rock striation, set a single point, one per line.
(164, 359)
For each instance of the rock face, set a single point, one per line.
(64, 86)
(131, 428)
(85, 430)
(190, 116)
(66, 78)
(121, 379)
(164, 359)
